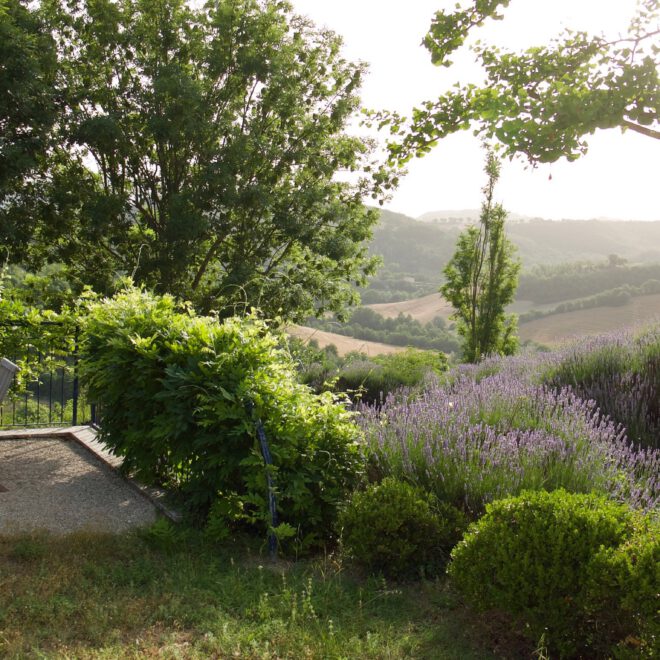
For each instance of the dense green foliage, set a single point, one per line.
(372, 380)
(36, 338)
(481, 280)
(399, 530)
(540, 102)
(47, 289)
(194, 149)
(623, 588)
(41, 342)
(531, 556)
(175, 392)
(364, 379)
(403, 330)
(27, 101)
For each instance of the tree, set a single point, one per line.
(481, 279)
(27, 108)
(542, 102)
(200, 152)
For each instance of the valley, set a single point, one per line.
(578, 278)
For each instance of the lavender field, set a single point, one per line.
(585, 418)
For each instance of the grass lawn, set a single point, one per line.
(133, 596)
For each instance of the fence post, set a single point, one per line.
(74, 415)
(7, 372)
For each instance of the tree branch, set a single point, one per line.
(207, 260)
(643, 130)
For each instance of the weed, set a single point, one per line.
(128, 596)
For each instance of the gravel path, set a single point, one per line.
(56, 485)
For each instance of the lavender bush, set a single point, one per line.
(622, 373)
(492, 430)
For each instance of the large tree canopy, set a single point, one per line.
(201, 152)
(542, 102)
(27, 104)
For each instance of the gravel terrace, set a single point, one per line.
(54, 484)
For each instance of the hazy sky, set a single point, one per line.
(618, 178)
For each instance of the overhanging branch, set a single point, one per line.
(644, 130)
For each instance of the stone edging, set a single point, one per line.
(85, 436)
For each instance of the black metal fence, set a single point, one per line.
(46, 391)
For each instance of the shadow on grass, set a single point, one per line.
(89, 595)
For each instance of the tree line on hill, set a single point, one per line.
(413, 254)
(549, 284)
(616, 297)
(402, 330)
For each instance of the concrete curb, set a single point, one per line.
(85, 436)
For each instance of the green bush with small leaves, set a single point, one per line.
(181, 397)
(624, 593)
(400, 530)
(371, 380)
(530, 556)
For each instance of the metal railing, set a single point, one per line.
(46, 391)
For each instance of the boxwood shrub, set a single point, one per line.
(180, 397)
(624, 593)
(570, 568)
(399, 530)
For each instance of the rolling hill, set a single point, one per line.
(558, 328)
(423, 309)
(549, 330)
(424, 247)
(343, 343)
(578, 255)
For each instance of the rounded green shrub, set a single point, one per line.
(624, 592)
(181, 397)
(399, 529)
(530, 556)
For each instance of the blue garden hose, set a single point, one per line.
(272, 502)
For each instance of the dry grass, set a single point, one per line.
(551, 330)
(558, 328)
(344, 344)
(423, 309)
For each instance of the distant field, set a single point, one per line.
(344, 344)
(421, 309)
(522, 306)
(559, 327)
(550, 330)
(425, 309)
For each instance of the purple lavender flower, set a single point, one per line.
(495, 428)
